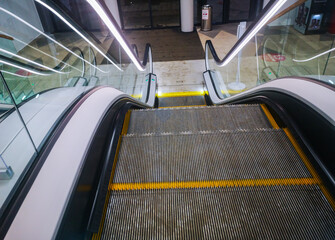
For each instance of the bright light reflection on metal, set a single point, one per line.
(30, 61)
(77, 31)
(251, 34)
(50, 38)
(102, 14)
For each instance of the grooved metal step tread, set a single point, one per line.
(181, 101)
(244, 154)
(277, 212)
(198, 119)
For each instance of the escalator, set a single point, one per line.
(123, 161)
(213, 172)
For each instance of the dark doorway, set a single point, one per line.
(229, 11)
(147, 14)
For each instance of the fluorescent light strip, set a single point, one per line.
(316, 56)
(50, 38)
(26, 69)
(30, 61)
(77, 31)
(100, 11)
(14, 74)
(250, 35)
(26, 44)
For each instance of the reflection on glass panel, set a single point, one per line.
(285, 51)
(329, 69)
(135, 13)
(239, 10)
(280, 49)
(16, 149)
(241, 74)
(165, 13)
(6, 103)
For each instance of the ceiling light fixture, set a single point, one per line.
(103, 15)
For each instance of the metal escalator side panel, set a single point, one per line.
(61, 166)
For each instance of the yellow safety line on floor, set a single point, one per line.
(97, 235)
(213, 184)
(126, 123)
(185, 106)
(269, 116)
(180, 94)
(310, 167)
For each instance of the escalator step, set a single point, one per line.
(181, 101)
(240, 154)
(198, 119)
(276, 212)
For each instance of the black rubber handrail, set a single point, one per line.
(146, 57)
(209, 46)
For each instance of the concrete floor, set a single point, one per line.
(185, 76)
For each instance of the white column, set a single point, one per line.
(114, 9)
(186, 18)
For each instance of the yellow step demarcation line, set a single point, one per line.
(181, 94)
(97, 235)
(194, 93)
(126, 123)
(213, 184)
(310, 167)
(269, 116)
(185, 106)
(302, 155)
